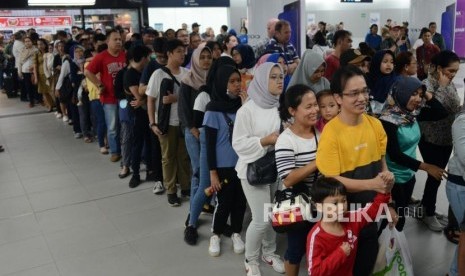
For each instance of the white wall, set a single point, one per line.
(174, 17)
(356, 15)
(424, 11)
(237, 11)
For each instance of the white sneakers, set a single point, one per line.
(65, 118)
(251, 268)
(214, 248)
(238, 244)
(158, 189)
(275, 262)
(432, 223)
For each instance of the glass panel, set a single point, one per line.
(101, 18)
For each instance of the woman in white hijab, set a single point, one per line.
(256, 130)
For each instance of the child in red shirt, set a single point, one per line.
(332, 242)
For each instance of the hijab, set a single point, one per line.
(197, 76)
(379, 83)
(221, 61)
(307, 66)
(258, 88)
(395, 108)
(247, 56)
(274, 58)
(220, 100)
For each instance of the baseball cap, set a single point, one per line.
(396, 25)
(195, 25)
(352, 56)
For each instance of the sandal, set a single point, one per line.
(452, 234)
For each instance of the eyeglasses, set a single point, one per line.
(356, 93)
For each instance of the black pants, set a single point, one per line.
(155, 155)
(439, 156)
(73, 114)
(401, 194)
(367, 250)
(231, 202)
(27, 91)
(142, 141)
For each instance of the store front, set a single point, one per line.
(18, 15)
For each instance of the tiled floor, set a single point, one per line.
(64, 211)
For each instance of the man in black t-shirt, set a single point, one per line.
(137, 103)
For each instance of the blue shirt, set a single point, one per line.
(374, 41)
(226, 157)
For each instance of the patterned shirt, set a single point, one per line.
(289, 51)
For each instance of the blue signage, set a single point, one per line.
(187, 3)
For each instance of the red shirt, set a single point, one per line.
(424, 55)
(332, 64)
(324, 253)
(108, 66)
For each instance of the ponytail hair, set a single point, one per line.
(292, 98)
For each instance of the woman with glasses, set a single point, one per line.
(356, 145)
(436, 136)
(256, 130)
(310, 72)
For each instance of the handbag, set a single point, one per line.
(292, 211)
(263, 171)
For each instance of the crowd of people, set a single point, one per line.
(197, 109)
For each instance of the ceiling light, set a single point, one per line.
(61, 2)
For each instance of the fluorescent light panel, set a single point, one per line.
(61, 2)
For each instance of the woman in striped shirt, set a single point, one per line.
(295, 159)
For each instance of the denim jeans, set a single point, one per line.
(84, 116)
(193, 149)
(98, 121)
(456, 196)
(198, 197)
(112, 121)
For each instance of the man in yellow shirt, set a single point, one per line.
(352, 150)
